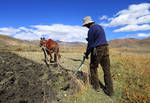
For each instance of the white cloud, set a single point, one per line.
(135, 15)
(143, 19)
(26, 36)
(104, 17)
(25, 29)
(104, 24)
(132, 15)
(143, 35)
(62, 32)
(56, 31)
(133, 28)
(8, 30)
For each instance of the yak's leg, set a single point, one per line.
(55, 59)
(55, 56)
(51, 57)
(45, 55)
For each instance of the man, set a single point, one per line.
(98, 47)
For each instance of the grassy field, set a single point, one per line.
(130, 72)
(131, 75)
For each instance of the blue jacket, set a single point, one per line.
(96, 37)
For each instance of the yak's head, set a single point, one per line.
(42, 42)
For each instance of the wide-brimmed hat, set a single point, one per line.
(87, 20)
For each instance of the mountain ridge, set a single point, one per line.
(116, 43)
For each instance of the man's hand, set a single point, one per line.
(85, 56)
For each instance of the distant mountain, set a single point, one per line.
(116, 43)
(130, 43)
(72, 44)
(9, 41)
(144, 42)
(35, 42)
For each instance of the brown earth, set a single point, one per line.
(24, 81)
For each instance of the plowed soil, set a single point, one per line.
(24, 81)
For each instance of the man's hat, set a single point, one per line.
(87, 20)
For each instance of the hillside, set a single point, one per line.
(116, 43)
(144, 42)
(9, 41)
(130, 43)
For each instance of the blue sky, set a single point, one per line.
(62, 19)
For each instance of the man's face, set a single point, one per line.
(88, 25)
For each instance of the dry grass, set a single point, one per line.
(131, 73)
